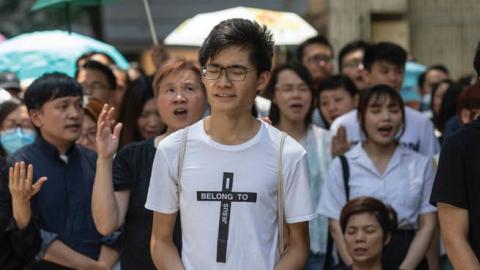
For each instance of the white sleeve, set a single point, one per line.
(332, 197)
(335, 125)
(429, 177)
(297, 197)
(163, 190)
(429, 145)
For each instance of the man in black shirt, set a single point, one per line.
(456, 192)
(19, 234)
(63, 205)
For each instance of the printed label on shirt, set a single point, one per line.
(226, 196)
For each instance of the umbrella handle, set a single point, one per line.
(150, 22)
(67, 14)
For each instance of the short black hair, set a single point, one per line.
(337, 81)
(384, 51)
(49, 87)
(385, 215)
(240, 32)
(105, 70)
(351, 47)
(89, 54)
(423, 76)
(438, 67)
(476, 60)
(313, 40)
(304, 74)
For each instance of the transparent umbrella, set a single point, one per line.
(288, 28)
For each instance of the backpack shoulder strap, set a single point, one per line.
(181, 157)
(280, 202)
(346, 176)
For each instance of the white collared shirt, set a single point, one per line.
(418, 134)
(405, 185)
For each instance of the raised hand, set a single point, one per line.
(22, 190)
(107, 141)
(340, 143)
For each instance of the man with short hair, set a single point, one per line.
(456, 192)
(63, 205)
(316, 54)
(98, 81)
(222, 172)
(350, 62)
(384, 63)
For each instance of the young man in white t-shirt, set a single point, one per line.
(227, 192)
(384, 64)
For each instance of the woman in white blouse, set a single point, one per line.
(381, 168)
(291, 91)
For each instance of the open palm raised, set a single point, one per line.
(107, 139)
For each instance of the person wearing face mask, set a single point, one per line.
(16, 129)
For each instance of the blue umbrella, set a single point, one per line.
(33, 54)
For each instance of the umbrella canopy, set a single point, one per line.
(41, 4)
(66, 4)
(33, 54)
(288, 28)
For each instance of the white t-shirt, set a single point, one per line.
(245, 214)
(418, 134)
(406, 184)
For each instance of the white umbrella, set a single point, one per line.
(288, 28)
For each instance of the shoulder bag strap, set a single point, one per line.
(346, 176)
(181, 157)
(330, 242)
(281, 217)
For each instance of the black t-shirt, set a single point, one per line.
(458, 177)
(131, 171)
(17, 248)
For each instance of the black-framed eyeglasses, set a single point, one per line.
(317, 58)
(233, 73)
(355, 63)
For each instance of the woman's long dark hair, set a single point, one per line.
(304, 74)
(449, 105)
(138, 93)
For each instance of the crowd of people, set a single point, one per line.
(114, 169)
